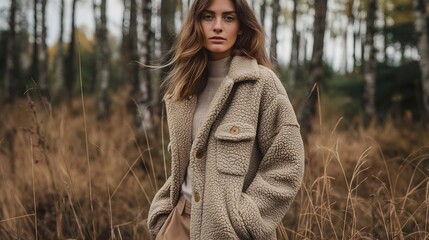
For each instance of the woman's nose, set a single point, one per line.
(217, 25)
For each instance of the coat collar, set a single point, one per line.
(243, 68)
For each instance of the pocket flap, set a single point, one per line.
(235, 131)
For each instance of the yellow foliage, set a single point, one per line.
(403, 17)
(402, 2)
(85, 44)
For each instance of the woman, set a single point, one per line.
(237, 154)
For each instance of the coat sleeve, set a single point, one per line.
(160, 208)
(279, 177)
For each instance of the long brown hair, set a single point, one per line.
(189, 60)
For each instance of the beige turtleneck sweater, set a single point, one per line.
(217, 71)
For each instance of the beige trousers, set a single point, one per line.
(178, 222)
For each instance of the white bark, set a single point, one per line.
(102, 59)
(144, 97)
(370, 64)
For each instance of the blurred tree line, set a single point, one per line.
(383, 46)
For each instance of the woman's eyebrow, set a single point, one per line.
(212, 12)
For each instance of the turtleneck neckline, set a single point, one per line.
(219, 68)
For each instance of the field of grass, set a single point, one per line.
(65, 175)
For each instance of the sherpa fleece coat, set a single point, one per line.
(247, 159)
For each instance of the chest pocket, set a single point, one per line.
(233, 147)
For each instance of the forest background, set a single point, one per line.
(83, 134)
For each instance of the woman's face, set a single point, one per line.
(221, 26)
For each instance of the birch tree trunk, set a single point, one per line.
(134, 43)
(308, 110)
(370, 63)
(125, 49)
(262, 12)
(132, 49)
(10, 62)
(43, 54)
(362, 40)
(423, 48)
(350, 24)
(293, 63)
(385, 42)
(168, 10)
(102, 59)
(71, 59)
(355, 36)
(275, 6)
(59, 70)
(144, 114)
(35, 56)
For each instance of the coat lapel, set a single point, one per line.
(215, 107)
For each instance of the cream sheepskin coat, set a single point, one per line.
(247, 159)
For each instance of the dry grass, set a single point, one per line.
(69, 182)
(59, 181)
(353, 190)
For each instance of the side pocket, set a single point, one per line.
(234, 142)
(160, 208)
(249, 214)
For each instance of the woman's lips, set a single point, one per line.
(217, 39)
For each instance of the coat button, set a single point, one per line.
(234, 130)
(196, 197)
(199, 154)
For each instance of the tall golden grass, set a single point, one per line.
(63, 176)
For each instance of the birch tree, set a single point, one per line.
(133, 44)
(370, 63)
(168, 10)
(168, 33)
(308, 110)
(132, 54)
(350, 24)
(275, 6)
(144, 100)
(35, 56)
(423, 48)
(59, 59)
(10, 61)
(43, 53)
(102, 59)
(293, 63)
(262, 12)
(71, 59)
(125, 51)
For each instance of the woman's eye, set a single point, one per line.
(229, 18)
(207, 17)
